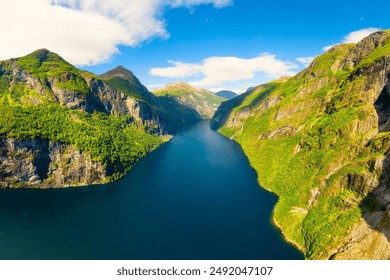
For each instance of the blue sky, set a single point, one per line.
(216, 44)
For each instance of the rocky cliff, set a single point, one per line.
(321, 141)
(61, 126)
(43, 164)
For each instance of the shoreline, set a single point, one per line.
(275, 222)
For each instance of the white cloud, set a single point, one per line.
(219, 70)
(327, 48)
(84, 31)
(305, 60)
(354, 37)
(357, 36)
(190, 3)
(178, 70)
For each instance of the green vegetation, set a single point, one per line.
(46, 65)
(111, 140)
(125, 87)
(257, 95)
(125, 81)
(30, 110)
(331, 125)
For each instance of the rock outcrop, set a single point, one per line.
(39, 163)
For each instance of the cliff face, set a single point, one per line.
(62, 126)
(321, 140)
(114, 102)
(42, 164)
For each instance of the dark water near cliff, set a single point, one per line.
(196, 197)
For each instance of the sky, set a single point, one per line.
(213, 44)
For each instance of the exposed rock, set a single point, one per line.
(37, 163)
(368, 238)
(365, 47)
(282, 132)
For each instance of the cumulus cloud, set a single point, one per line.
(178, 70)
(305, 60)
(354, 37)
(215, 71)
(84, 32)
(357, 36)
(190, 3)
(327, 48)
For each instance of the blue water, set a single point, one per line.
(195, 197)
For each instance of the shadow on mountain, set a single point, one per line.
(225, 109)
(376, 205)
(177, 114)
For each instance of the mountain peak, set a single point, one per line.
(120, 72)
(125, 81)
(181, 87)
(45, 55)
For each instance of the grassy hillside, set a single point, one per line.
(125, 81)
(35, 93)
(314, 141)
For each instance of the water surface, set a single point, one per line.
(195, 197)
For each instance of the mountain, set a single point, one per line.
(227, 94)
(203, 101)
(61, 126)
(321, 140)
(176, 113)
(125, 81)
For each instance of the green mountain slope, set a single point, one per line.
(60, 126)
(204, 102)
(320, 141)
(125, 81)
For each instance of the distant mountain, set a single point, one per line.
(321, 141)
(61, 126)
(227, 94)
(203, 101)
